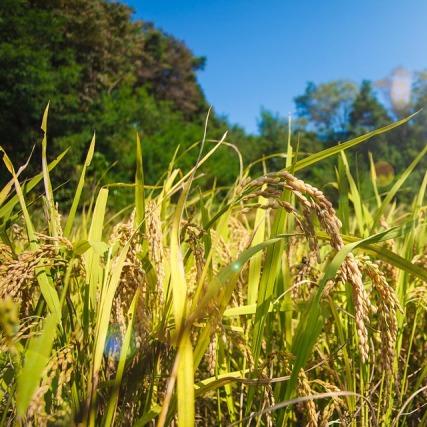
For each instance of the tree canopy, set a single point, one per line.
(101, 70)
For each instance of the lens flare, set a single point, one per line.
(400, 88)
(114, 343)
(385, 173)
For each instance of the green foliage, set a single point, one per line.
(367, 113)
(101, 71)
(326, 106)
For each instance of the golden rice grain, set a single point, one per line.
(304, 389)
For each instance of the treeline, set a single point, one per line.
(106, 72)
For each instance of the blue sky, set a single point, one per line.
(262, 53)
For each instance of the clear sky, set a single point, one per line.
(262, 53)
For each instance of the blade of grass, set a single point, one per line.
(77, 195)
(396, 186)
(53, 216)
(28, 186)
(185, 382)
(343, 190)
(8, 187)
(324, 154)
(92, 257)
(255, 262)
(355, 197)
(385, 254)
(36, 358)
(139, 188)
(373, 174)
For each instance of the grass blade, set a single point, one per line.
(332, 151)
(77, 195)
(396, 186)
(36, 358)
(139, 187)
(8, 207)
(92, 257)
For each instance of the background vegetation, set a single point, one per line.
(104, 72)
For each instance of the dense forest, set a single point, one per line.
(105, 72)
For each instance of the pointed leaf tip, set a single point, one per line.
(44, 120)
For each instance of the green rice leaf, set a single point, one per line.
(92, 257)
(77, 195)
(36, 358)
(185, 382)
(139, 187)
(8, 207)
(396, 186)
(332, 151)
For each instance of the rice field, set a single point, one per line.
(261, 305)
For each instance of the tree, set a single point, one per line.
(325, 108)
(419, 104)
(418, 130)
(101, 70)
(367, 113)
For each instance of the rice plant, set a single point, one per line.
(259, 305)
